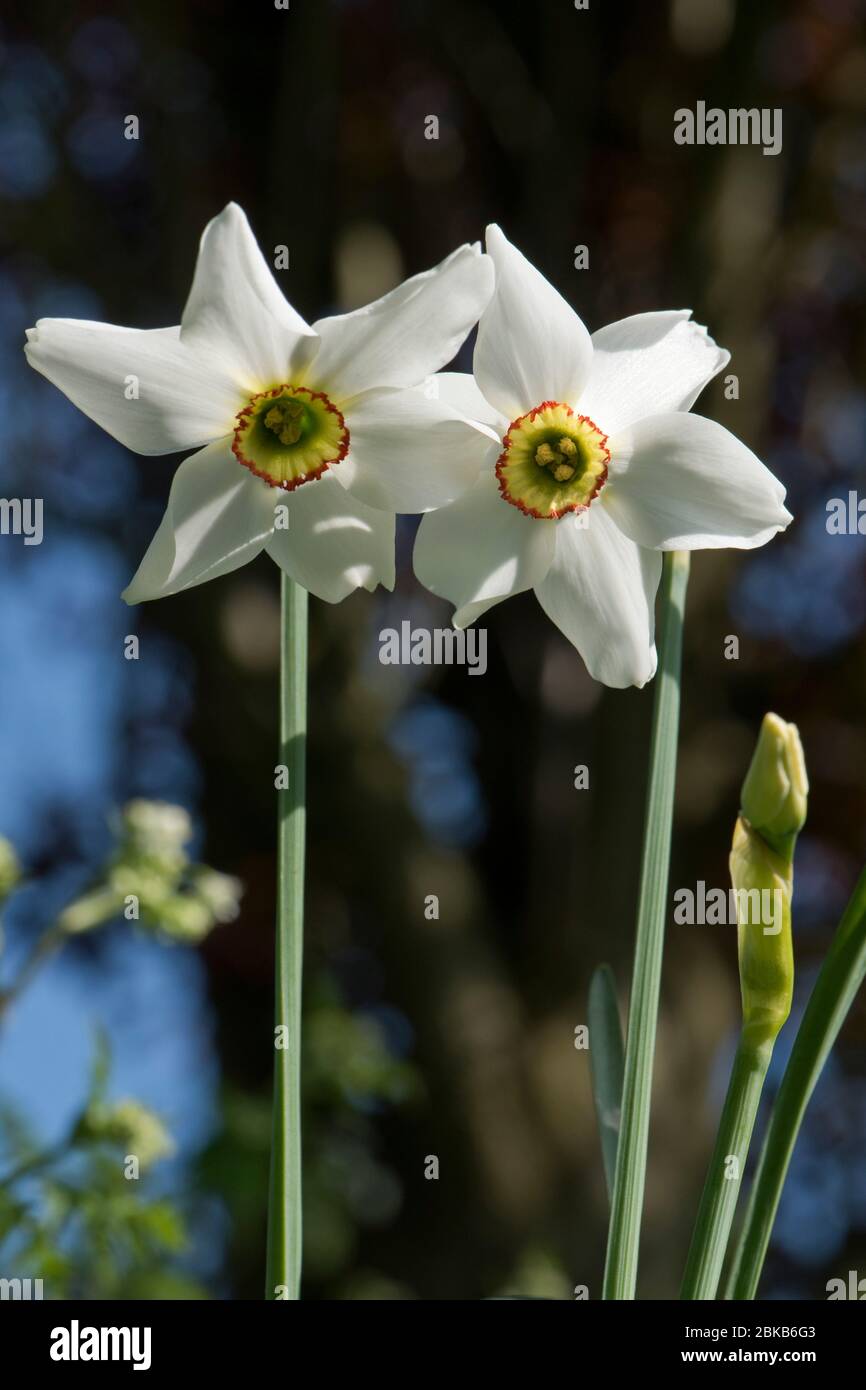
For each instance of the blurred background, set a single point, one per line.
(452, 1037)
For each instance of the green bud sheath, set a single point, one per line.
(763, 884)
(774, 797)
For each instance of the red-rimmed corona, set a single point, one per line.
(552, 462)
(290, 435)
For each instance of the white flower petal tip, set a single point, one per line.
(683, 482)
(531, 346)
(408, 334)
(600, 591)
(218, 518)
(477, 551)
(649, 364)
(144, 387)
(237, 310)
(334, 543)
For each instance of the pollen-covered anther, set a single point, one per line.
(290, 435)
(553, 461)
(286, 421)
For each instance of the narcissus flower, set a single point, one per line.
(280, 412)
(577, 466)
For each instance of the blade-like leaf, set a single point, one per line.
(606, 1062)
(840, 978)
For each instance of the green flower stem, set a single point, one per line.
(836, 987)
(37, 1163)
(284, 1221)
(45, 946)
(722, 1186)
(620, 1275)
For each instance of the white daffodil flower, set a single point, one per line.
(289, 415)
(577, 466)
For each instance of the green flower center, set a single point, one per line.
(290, 435)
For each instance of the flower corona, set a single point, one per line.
(290, 435)
(552, 462)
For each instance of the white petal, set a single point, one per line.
(681, 482)
(480, 550)
(236, 308)
(462, 393)
(408, 453)
(218, 517)
(401, 338)
(532, 347)
(144, 386)
(600, 591)
(646, 365)
(334, 543)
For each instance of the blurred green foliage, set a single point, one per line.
(82, 1216)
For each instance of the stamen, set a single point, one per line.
(286, 421)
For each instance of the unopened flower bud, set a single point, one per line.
(186, 918)
(157, 827)
(136, 1128)
(776, 788)
(91, 910)
(220, 892)
(774, 799)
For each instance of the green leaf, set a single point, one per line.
(722, 1186)
(835, 989)
(161, 1223)
(606, 1063)
(101, 1067)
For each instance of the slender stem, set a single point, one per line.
(727, 1165)
(36, 1163)
(45, 946)
(620, 1275)
(840, 978)
(284, 1223)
